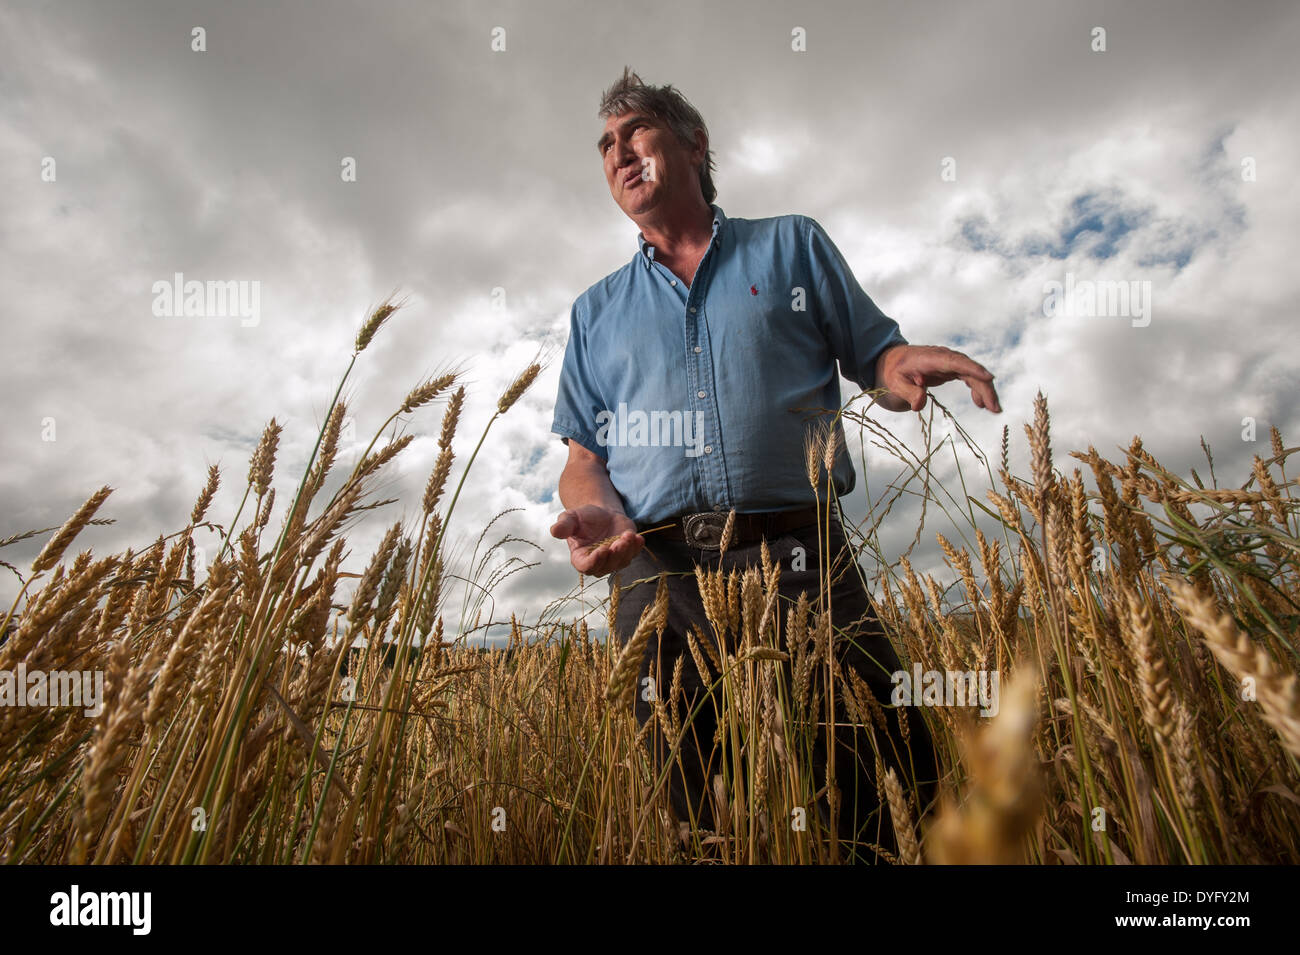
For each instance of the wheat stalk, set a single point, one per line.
(1277, 689)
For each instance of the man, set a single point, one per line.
(692, 377)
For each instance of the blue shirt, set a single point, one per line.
(699, 398)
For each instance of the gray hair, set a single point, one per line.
(669, 106)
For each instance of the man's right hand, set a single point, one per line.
(584, 527)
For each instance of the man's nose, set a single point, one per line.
(625, 158)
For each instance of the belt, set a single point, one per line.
(703, 530)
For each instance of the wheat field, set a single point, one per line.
(1144, 632)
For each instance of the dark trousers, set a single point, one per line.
(861, 644)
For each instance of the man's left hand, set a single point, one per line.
(908, 370)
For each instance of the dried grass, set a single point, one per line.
(1149, 707)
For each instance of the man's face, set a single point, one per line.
(645, 164)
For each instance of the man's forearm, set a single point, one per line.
(582, 484)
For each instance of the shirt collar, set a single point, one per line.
(648, 250)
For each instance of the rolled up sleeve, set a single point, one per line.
(578, 401)
(856, 330)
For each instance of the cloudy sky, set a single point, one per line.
(961, 156)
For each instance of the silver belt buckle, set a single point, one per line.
(704, 530)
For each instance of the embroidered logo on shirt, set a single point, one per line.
(753, 290)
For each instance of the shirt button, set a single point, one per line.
(717, 507)
(698, 349)
(699, 394)
(692, 311)
(708, 449)
(673, 283)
